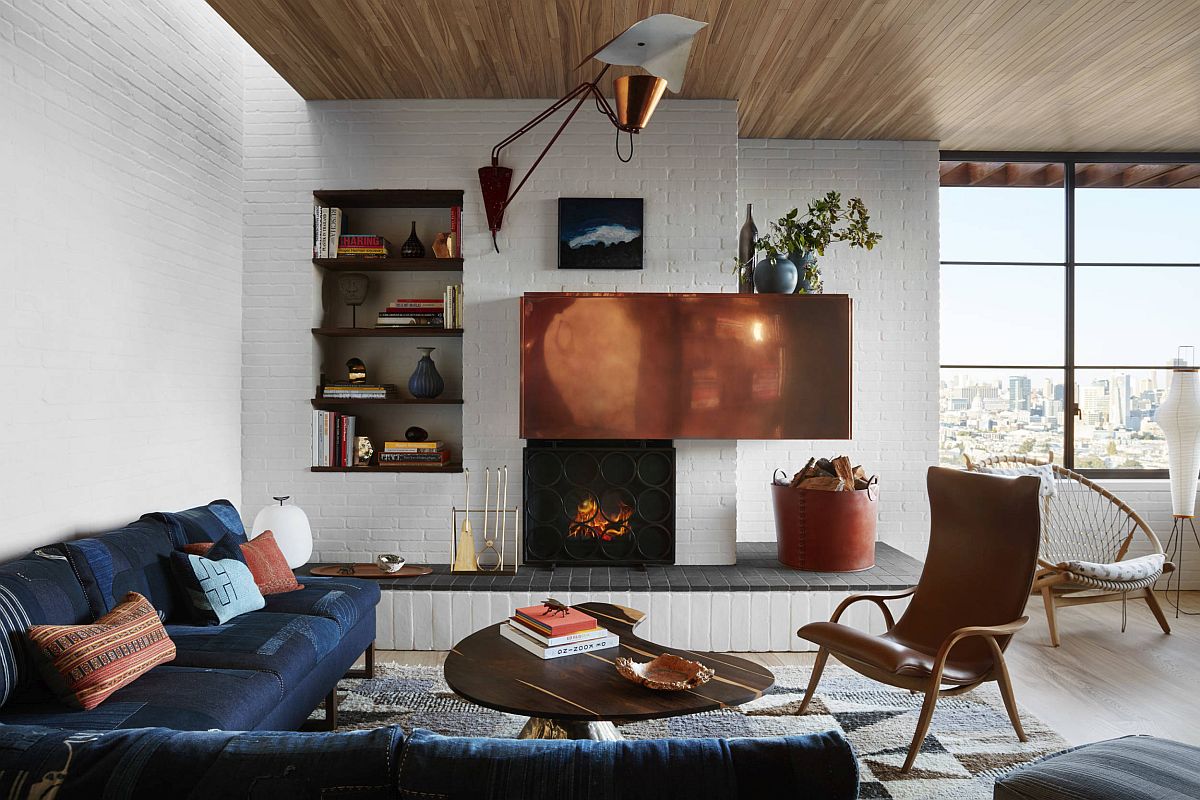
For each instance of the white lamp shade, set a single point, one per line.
(1179, 418)
(292, 532)
(659, 44)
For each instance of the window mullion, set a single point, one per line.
(1069, 399)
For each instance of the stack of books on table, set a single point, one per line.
(358, 391)
(357, 245)
(413, 313)
(414, 454)
(552, 635)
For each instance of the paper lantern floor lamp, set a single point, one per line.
(292, 532)
(1179, 417)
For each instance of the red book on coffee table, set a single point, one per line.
(555, 623)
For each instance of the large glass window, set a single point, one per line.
(1066, 288)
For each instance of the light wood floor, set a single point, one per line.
(1099, 684)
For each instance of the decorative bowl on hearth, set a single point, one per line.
(389, 562)
(667, 673)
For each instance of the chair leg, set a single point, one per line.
(1156, 609)
(1048, 602)
(1006, 691)
(818, 668)
(931, 698)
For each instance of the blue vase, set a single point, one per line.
(803, 261)
(775, 276)
(425, 382)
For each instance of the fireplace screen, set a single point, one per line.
(599, 503)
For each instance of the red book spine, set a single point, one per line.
(351, 240)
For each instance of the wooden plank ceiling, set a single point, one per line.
(972, 74)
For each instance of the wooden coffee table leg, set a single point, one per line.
(540, 728)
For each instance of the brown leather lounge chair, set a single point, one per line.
(983, 546)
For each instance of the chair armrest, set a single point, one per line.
(988, 631)
(877, 599)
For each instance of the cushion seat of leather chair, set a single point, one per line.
(886, 653)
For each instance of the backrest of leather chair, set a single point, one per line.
(983, 545)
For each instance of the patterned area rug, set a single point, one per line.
(971, 741)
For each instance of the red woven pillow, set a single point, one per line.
(267, 564)
(84, 664)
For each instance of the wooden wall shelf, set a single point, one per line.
(448, 469)
(418, 333)
(390, 198)
(324, 403)
(390, 264)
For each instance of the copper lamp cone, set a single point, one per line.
(637, 96)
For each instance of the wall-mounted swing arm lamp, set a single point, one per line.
(659, 44)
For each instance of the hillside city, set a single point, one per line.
(1114, 429)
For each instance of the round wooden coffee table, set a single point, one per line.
(580, 696)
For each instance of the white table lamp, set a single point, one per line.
(292, 532)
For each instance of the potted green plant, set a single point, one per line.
(795, 242)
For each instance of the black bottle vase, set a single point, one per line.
(412, 247)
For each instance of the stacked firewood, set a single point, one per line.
(830, 475)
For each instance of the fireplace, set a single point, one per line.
(599, 503)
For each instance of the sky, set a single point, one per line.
(1014, 314)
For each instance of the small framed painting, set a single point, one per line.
(600, 233)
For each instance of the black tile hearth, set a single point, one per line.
(756, 571)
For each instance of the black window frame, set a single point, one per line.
(1069, 367)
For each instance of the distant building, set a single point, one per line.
(1019, 390)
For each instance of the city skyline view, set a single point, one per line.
(1003, 324)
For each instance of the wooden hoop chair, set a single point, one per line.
(983, 545)
(1082, 521)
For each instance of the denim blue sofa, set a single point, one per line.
(266, 670)
(383, 763)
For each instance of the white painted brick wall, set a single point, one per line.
(895, 292)
(120, 317)
(685, 168)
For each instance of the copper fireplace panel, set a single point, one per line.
(685, 366)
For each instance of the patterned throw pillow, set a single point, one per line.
(84, 664)
(217, 591)
(1135, 569)
(265, 559)
(1043, 472)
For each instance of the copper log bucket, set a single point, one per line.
(820, 531)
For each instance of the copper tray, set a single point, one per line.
(369, 571)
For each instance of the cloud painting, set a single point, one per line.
(600, 233)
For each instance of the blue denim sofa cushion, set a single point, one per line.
(817, 766)
(343, 600)
(167, 696)
(135, 558)
(154, 763)
(207, 523)
(284, 646)
(39, 589)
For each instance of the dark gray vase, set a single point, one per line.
(426, 383)
(775, 276)
(803, 261)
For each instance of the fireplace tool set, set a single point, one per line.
(498, 555)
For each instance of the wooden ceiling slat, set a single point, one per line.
(972, 74)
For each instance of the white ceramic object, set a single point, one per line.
(292, 532)
(389, 562)
(1179, 417)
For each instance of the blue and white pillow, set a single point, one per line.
(217, 591)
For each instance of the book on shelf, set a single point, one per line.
(357, 390)
(431, 457)
(519, 638)
(408, 447)
(430, 321)
(355, 241)
(555, 624)
(452, 303)
(555, 641)
(327, 229)
(333, 439)
(455, 231)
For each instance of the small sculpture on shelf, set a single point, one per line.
(353, 287)
(363, 451)
(443, 245)
(357, 371)
(416, 434)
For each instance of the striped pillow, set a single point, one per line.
(84, 664)
(267, 563)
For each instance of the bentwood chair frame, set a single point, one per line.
(1083, 521)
